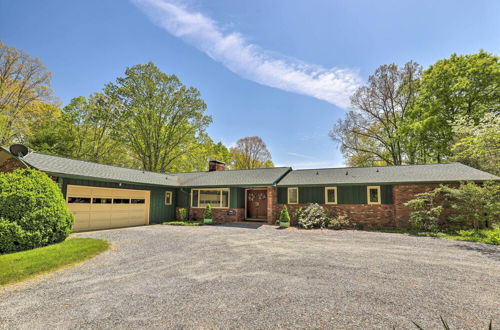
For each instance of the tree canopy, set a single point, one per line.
(250, 152)
(406, 116)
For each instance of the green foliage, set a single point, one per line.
(476, 206)
(340, 221)
(33, 212)
(25, 94)
(462, 85)
(21, 265)
(426, 210)
(250, 152)
(487, 236)
(284, 216)
(207, 213)
(184, 223)
(313, 216)
(478, 145)
(468, 206)
(183, 214)
(159, 119)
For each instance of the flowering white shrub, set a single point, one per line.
(313, 216)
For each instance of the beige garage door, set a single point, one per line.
(101, 208)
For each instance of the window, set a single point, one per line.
(168, 198)
(102, 201)
(137, 201)
(78, 200)
(331, 195)
(217, 198)
(373, 194)
(121, 201)
(293, 195)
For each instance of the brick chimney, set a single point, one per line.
(215, 165)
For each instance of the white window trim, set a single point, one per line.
(379, 201)
(288, 195)
(213, 206)
(326, 195)
(168, 193)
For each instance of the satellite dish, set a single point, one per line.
(19, 150)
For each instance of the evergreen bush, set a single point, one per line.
(33, 212)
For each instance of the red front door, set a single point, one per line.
(256, 204)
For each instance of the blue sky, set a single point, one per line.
(280, 69)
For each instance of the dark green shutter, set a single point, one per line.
(237, 196)
(282, 195)
(386, 192)
(309, 195)
(351, 194)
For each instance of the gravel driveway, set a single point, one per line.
(249, 277)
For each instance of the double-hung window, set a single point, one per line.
(217, 198)
(168, 198)
(373, 194)
(331, 195)
(293, 195)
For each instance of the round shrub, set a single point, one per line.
(33, 211)
(313, 216)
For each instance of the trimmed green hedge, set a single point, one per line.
(33, 212)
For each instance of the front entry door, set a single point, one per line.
(256, 204)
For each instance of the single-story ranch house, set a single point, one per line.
(102, 196)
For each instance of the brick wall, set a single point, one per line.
(402, 194)
(369, 215)
(10, 165)
(383, 215)
(219, 215)
(272, 201)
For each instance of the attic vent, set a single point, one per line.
(377, 170)
(346, 173)
(317, 173)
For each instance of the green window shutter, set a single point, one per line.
(386, 192)
(282, 195)
(309, 195)
(237, 198)
(183, 198)
(351, 194)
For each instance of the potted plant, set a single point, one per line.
(284, 218)
(207, 215)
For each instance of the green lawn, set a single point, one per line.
(488, 236)
(184, 223)
(18, 266)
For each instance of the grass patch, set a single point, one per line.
(184, 223)
(488, 236)
(18, 266)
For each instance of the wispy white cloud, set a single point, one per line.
(296, 154)
(334, 85)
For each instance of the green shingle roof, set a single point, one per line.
(254, 177)
(450, 172)
(282, 176)
(71, 167)
(61, 166)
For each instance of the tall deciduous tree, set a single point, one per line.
(24, 93)
(372, 133)
(250, 152)
(462, 85)
(158, 117)
(478, 144)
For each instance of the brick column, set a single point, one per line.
(272, 200)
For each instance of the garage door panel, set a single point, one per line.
(96, 208)
(82, 221)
